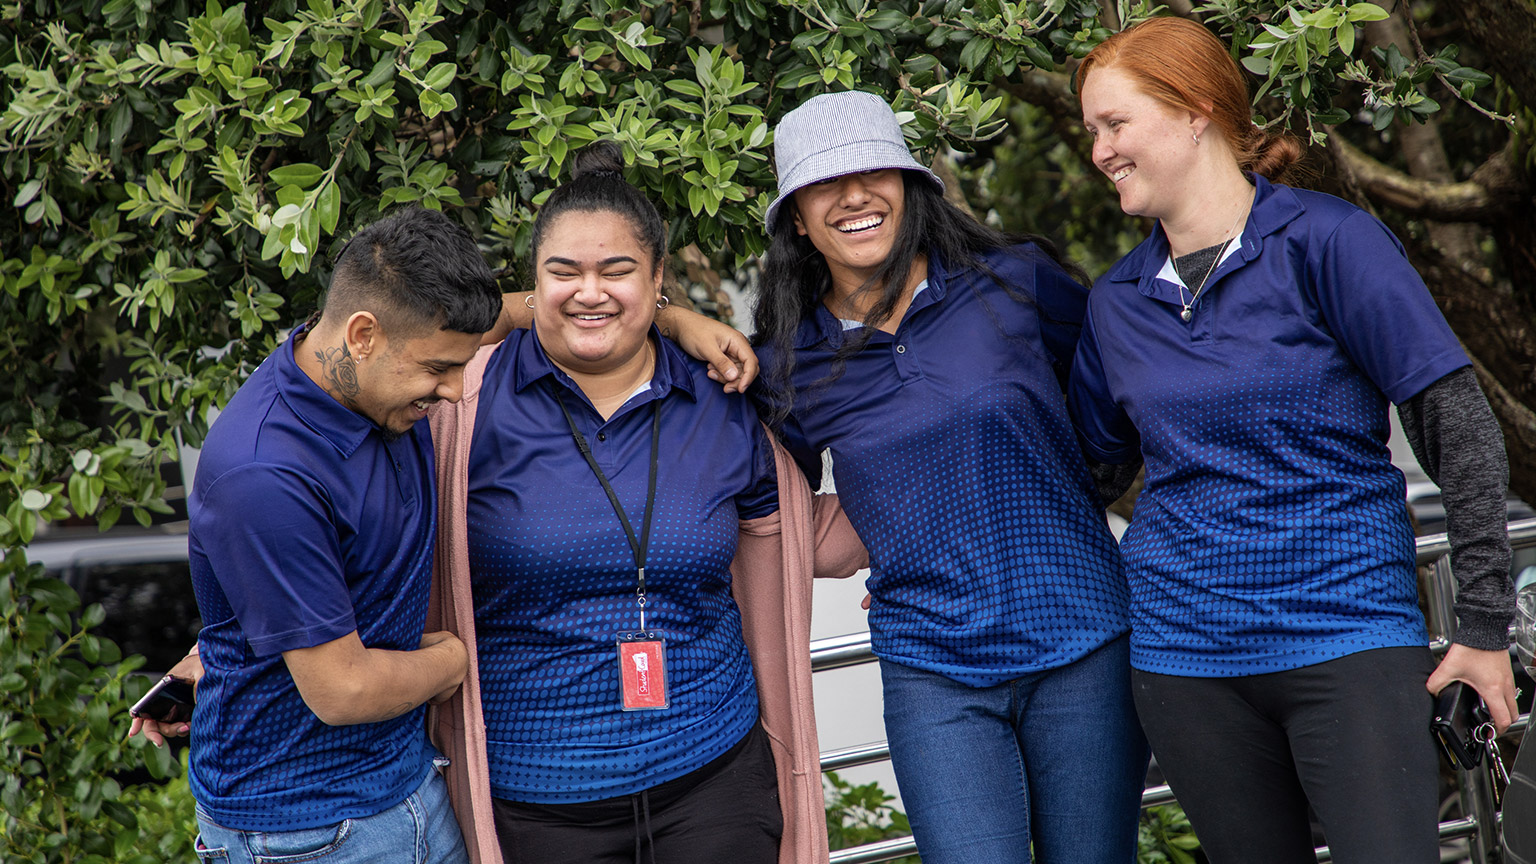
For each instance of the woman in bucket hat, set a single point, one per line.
(928, 353)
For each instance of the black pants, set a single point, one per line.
(1351, 736)
(727, 811)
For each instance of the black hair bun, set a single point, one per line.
(598, 159)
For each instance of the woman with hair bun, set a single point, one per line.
(1249, 350)
(627, 556)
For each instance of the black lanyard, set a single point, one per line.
(637, 546)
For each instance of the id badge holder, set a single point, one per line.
(643, 671)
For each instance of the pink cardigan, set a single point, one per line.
(776, 557)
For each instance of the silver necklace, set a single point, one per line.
(1188, 311)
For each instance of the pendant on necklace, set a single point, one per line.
(1186, 315)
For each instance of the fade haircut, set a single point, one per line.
(417, 271)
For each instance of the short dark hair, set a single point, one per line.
(415, 270)
(597, 185)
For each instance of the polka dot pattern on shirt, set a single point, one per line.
(1272, 532)
(554, 577)
(956, 464)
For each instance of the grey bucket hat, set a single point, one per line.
(835, 134)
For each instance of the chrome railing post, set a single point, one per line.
(1440, 601)
(1476, 787)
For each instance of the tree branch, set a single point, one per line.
(1505, 32)
(944, 167)
(1109, 15)
(1344, 169)
(1518, 423)
(1050, 90)
(1492, 191)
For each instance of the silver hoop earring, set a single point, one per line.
(664, 302)
(528, 300)
(1196, 136)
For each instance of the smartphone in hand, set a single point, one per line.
(169, 701)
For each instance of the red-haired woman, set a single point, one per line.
(1249, 349)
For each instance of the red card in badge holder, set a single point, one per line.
(643, 671)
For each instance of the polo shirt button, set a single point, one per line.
(602, 436)
(901, 349)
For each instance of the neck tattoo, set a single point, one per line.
(340, 372)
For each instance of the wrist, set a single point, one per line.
(674, 312)
(1482, 630)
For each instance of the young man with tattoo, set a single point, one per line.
(313, 517)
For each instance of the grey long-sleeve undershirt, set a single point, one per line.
(1457, 441)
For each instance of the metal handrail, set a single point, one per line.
(1433, 550)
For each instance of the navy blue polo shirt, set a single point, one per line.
(957, 465)
(554, 576)
(305, 525)
(1272, 532)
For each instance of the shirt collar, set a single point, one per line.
(1274, 207)
(850, 324)
(344, 428)
(826, 327)
(672, 370)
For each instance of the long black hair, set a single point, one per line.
(795, 277)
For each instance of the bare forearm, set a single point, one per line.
(515, 315)
(839, 552)
(398, 681)
(368, 685)
(672, 318)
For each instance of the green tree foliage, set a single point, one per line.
(861, 814)
(1165, 836)
(179, 173)
(179, 170)
(63, 713)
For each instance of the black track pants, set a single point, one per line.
(1349, 736)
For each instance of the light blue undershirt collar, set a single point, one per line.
(850, 324)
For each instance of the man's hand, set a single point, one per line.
(189, 668)
(449, 642)
(731, 359)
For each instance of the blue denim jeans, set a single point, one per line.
(419, 830)
(1054, 758)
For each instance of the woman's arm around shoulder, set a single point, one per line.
(726, 350)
